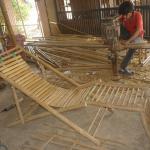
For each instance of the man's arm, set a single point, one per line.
(118, 18)
(134, 36)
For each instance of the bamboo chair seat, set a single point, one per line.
(116, 96)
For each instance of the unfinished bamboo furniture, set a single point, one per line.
(18, 73)
(109, 96)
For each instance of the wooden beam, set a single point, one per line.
(7, 21)
(43, 17)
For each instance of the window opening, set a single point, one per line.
(68, 9)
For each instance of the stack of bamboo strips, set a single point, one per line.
(70, 40)
(73, 53)
(83, 41)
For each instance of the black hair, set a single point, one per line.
(126, 7)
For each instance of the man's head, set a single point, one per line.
(126, 9)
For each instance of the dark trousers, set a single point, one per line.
(125, 35)
(127, 58)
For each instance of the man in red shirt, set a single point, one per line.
(131, 30)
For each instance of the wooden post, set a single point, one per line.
(52, 16)
(11, 14)
(7, 21)
(43, 17)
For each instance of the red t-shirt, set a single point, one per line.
(132, 24)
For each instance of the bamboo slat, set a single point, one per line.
(129, 98)
(13, 59)
(8, 69)
(20, 75)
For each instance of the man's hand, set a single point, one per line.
(123, 42)
(127, 42)
(121, 45)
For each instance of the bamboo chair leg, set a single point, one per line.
(71, 124)
(26, 116)
(18, 105)
(31, 117)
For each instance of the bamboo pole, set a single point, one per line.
(52, 68)
(71, 124)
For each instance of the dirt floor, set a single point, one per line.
(120, 130)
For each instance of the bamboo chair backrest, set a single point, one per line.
(10, 54)
(18, 73)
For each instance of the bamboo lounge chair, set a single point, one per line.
(18, 73)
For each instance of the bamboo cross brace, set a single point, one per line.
(18, 105)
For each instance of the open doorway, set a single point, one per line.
(27, 21)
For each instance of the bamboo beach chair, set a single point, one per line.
(56, 99)
(18, 73)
